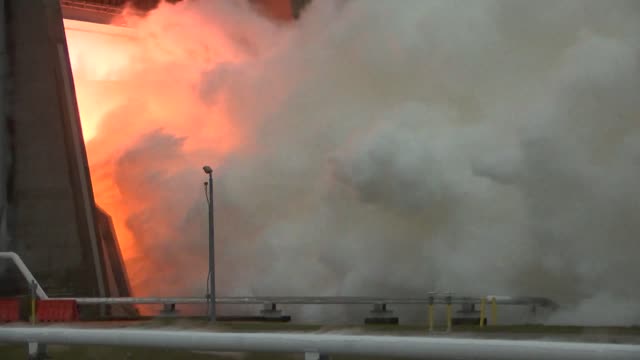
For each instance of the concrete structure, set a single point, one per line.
(104, 11)
(92, 11)
(47, 211)
(50, 216)
(5, 154)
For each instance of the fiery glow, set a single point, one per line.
(132, 83)
(374, 149)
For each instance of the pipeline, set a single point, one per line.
(384, 346)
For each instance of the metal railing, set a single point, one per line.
(379, 312)
(269, 303)
(327, 344)
(321, 300)
(24, 270)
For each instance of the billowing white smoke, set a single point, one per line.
(404, 147)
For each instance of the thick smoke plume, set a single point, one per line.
(378, 148)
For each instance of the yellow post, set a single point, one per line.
(449, 321)
(482, 314)
(494, 312)
(430, 317)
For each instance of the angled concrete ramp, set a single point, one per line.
(50, 218)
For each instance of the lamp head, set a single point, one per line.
(207, 169)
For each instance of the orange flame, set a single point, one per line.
(130, 82)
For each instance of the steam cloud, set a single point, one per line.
(378, 148)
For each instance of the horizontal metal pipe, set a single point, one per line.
(308, 300)
(384, 346)
(503, 300)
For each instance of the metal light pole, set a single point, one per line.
(212, 273)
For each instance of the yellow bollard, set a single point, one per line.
(430, 317)
(482, 312)
(449, 321)
(494, 312)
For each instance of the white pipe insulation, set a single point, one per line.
(381, 346)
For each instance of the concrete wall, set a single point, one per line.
(86, 15)
(116, 279)
(55, 229)
(5, 154)
(54, 209)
